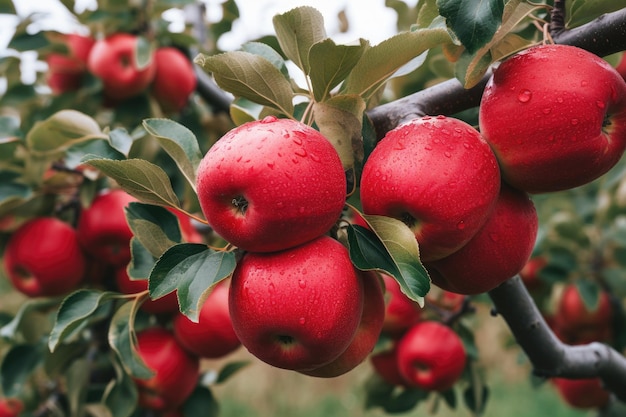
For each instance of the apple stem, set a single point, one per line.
(549, 356)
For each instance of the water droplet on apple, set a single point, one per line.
(547, 110)
(314, 157)
(269, 119)
(460, 225)
(280, 204)
(301, 152)
(441, 117)
(302, 320)
(426, 118)
(600, 104)
(559, 100)
(493, 236)
(467, 145)
(302, 210)
(447, 154)
(524, 96)
(428, 148)
(574, 121)
(270, 165)
(584, 83)
(302, 284)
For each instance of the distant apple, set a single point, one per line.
(11, 407)
(43, 258)
(385, 364)
(174, 79)
(66, 71)
(582, 393)
(113, 60)
(213, 335)
(400, 312)
(164, 305)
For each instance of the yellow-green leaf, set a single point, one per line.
(62, 130)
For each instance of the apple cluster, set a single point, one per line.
(465, 192)
(48, 257)
(168, 75)
(274, 188)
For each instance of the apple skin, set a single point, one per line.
(176, 370)
(113, 61)
(530, 273)
(367, 334)
(431, 356)
(496, 253)
(621, 66)
(43, 258)
(297, 309)
(582, 393)
(575, 324)
(438, 175)
(400, 312)
(213, 336)
(385, 364)
(555, 116)
(164, 305)
(270, 185)
(11, 407)
(66, 71)
(174, 79)
(103, 230)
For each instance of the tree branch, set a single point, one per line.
(548, 355)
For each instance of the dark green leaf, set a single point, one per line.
(75, 309)
(192, 270)
(10, 329)
(333, 63)
(250, 76)
(77, 379)
(18, 365)
(474, 22)
(202, 403)
(180, 143)
(243, 110)
(297, 30)
(230, 369)
(589, 292)
(122, 340)
(140, 178)
(155, 227)
(141, 262)
(23, 42)
(476, 397)
(95, 148)
(121, 393)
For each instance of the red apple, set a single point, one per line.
(431, 356)
(367, 334)
(113, 60)
(582, 393)
(164, 305)
(187, 230)
(176, 370)
(496, 253)
(272, 184)
(555, 116)
(174, 79)
(575, 323)
(103, 230)
(437, 175)
(400, 312)
(11, 407)
(530, 272)
(43, 258)
(621, 66)
(385, 365)
(213, 335)
(66, 71)
(299, 308)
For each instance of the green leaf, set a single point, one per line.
(476, 397)
(192, 270)
(590, 293)
(155, 227)
(580, 12)
(333, 63)
(473, 66)
(10, 329)
(142, 261)
(230, 369)
(61, 130)
(473, 21)
(9, 128)
(243, 110)
(269, 53)
(121, 140)
(250, 76)
(77, 379)
(180, 143)
(99, 148)
(121, 394)
(390, 246)
(143, 53)
(340, 120)
(23, 42)
(123, 341)
(18, 365)
(75, 309)
(297, 30)
(12, 189)
(201, 402)
(7, 7)
(139, 178)
(381, 61)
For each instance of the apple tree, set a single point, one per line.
(321, 204)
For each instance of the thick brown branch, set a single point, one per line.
(548, 355)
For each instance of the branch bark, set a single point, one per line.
(548, 355)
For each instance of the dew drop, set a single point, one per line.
(441, 117)
(524, 96)
(547, 110)
(301, 152)
(574, 121)
(269, 119)
(460, 225)
(559, 100)
(271, 165)
(302, 284)
(447, 154)
(467, 145)
(302, 321)
(584, 83)
(600, 104)
(314, 157)
(428, 148)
